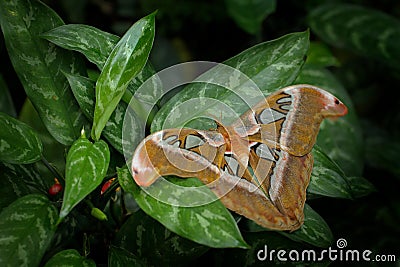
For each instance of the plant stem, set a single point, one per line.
(53, 170)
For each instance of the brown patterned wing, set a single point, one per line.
(181, 152)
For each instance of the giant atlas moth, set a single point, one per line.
(259, 166)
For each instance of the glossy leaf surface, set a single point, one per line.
(17, 180)
(39, 65)
(365, 31)
(210, 224)
(126, 60)
(95, 44)
(147, 240)
(314, 231)
(70, 258)
(26, 229)
(327, 179)
(86, 167)
(19, 144)
(84, 92)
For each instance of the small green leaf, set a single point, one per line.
(95, 44)
(119, 257)
(314, 231)
(270, 65)
(366, 31)
(319, 55)
(360, 186)
(341, 139)
(6, 103)
(39, 65)
(86, 167)
(154, 244)
(249, 15)
(17, 180)
(19, 144)
(211, 225)
(26, 229)
(327, 179)
(69, 258)
(126, 60)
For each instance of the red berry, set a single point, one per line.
(106, 185)
(55, 189)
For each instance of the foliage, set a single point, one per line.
(80, 81)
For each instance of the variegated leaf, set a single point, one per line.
(17, 180)
(26, 229)
(70, 258)
(126, 60)
(119, 257)
(365, 31)
(210, 224)
(360, 186)
(327, 179)
(39, 65)
(314, 231)
(86, 167)
(95, 44)
(155, 245)
(19, 144)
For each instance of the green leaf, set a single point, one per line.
(249, 15)
(341, 139)
(327, 179)
(18, 142)
(39, 65)
(95, 44)
(119, 257)
(368, 32)
(271, 65)
(52, 150)
(314, 231)
(26, 229)
(211, 225)
(382, 149)
(19, 180)
(84, 92)
(155, 245)
(86, 167)
(360, 186)
(69, 258)
(319, 55)
(6, 103)
(126, 60)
